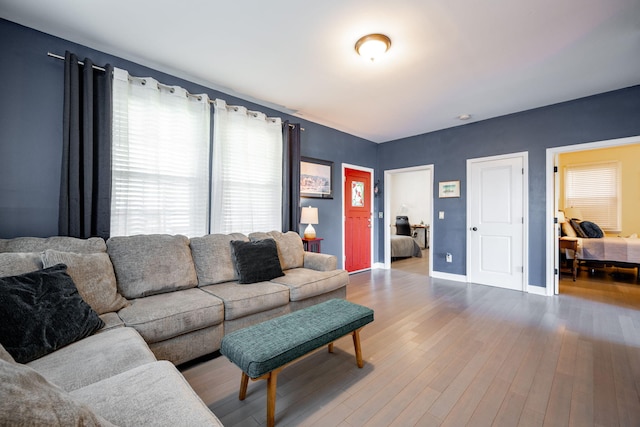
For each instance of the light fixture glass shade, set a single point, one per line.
(309, 216)
(373, 46)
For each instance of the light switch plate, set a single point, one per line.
(441, 215)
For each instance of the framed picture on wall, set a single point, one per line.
(315, 178)
(448, 189)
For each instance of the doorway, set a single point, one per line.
(552, 197)
(408, 192)
(496, 220)
(357, 208)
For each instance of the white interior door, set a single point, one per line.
(495, 219)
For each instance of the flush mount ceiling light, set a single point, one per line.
(373, 46)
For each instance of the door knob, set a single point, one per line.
(474, 228)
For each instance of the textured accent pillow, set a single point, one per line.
(290, 249)
(212, 257)
(592, 230)
(94, 277)
(150, 264)
(14, 263)
(256, 261)
(576, 226)
(28, 399)
(41, 312)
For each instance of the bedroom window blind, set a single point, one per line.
(246, 193)
(160, 163)
(594, 188)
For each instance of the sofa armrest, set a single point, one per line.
(320, 262)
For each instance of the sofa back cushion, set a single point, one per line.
(151, 264)
(212, 257)
(59, 243)
(93, 276)
(14, 263)
(290, 249)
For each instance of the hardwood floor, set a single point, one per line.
(451, 354)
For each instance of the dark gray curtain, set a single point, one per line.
(291, 177)
(85, 187)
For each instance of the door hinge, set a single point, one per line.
(555, 271)
(555, 220)
(522, 171)
(555, 169)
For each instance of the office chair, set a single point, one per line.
(402, 226)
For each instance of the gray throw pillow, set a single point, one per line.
(41, 312)
(94, 277)
(256, 261)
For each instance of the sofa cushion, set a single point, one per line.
(243, 300)
(42, 311)
(94, 358)
(160, 317)
(30, 400)
(256, 261)
(305, 283)
(111, 320)
(60, 243)
(93, 276)
(15, 263)
(151, 264)
(153, 394)
(4, 355)
(212, 257)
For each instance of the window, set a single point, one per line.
(247, 171)
(594, 189)
(160, 163)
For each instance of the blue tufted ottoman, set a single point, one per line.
(263, 350)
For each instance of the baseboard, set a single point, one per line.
(538, 290)
(449, 276)
(378, 266)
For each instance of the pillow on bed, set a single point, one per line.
(591, 229)
(575, 223)
(567, 230)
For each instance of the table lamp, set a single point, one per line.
(309, 216)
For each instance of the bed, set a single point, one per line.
(404, 247)
(621, 252)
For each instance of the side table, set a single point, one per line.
(312, 245)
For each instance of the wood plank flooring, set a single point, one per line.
(443, 353)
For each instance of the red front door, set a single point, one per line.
(357, 202)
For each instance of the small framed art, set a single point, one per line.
(448, 189)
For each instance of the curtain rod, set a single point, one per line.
(95, 67)
(211, 101)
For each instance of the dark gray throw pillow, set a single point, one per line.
(577, 226)
(256, 261)
(42, 311)
(591, 229)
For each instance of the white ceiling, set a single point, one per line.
(484, 58)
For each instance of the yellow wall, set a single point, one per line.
(629, 158)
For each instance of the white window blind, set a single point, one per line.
(160, 163)
(594, 189)
(247, 171)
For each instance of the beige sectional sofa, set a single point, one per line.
(163, 297)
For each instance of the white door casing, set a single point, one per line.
(495, 221)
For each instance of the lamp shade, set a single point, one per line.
(309, 215)
(573, 213)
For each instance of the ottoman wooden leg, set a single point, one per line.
(272, 381)
(244, 382)
(330, 347)
(356, 345)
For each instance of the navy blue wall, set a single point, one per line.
(31, 135)
(606, 116)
